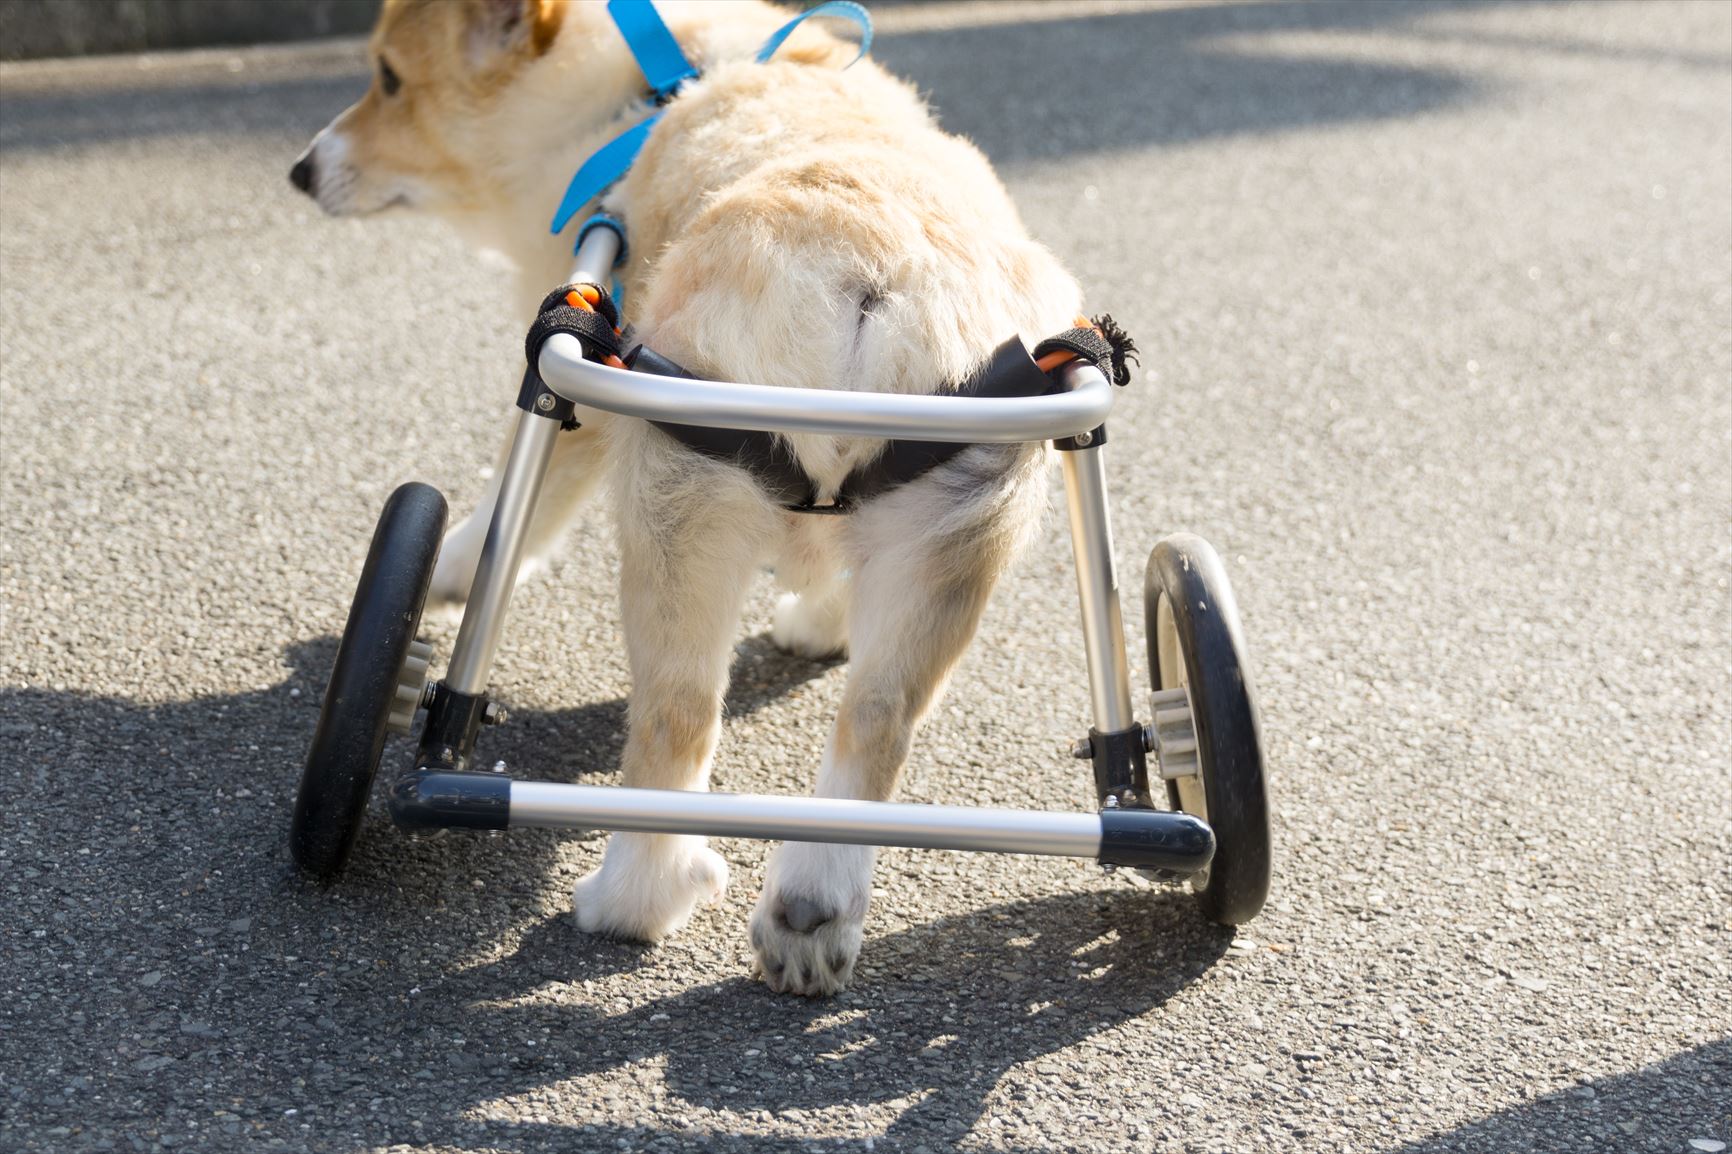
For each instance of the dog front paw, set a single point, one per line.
(647, 886)
(809, 921)
(806, 627)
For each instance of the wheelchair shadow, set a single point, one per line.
(587, 740)
(300, 1004)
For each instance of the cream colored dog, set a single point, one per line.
(790, 223)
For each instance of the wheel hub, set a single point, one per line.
(411, 687)
(1171, 736)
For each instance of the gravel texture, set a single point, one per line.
(1436, 300)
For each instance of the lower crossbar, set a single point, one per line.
(1149, 839)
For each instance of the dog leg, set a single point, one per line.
(915, 606)
(572, 474)
(811, 619)
(813, 622)
(691, 533)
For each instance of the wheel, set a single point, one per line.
(1197, 661)
(377, 652)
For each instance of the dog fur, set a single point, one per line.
(790, 223)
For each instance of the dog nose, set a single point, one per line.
(301, 176)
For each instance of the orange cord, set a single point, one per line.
(586, 297)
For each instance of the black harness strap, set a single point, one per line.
(1009, 372)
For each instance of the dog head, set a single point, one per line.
(426, 132)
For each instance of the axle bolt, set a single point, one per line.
(494, 714)
(1083, 749)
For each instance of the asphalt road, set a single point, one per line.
(1437, 301)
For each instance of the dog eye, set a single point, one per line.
(388, 78)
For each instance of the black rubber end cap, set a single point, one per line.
(1155, 839)
(449, 799)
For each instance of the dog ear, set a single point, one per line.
(497, 27)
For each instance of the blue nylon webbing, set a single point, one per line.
(844, 8)
(665, 66)
(658, 53)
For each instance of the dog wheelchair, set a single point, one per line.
(1200, 749)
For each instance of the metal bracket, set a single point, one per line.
(453, 720)
(1087, 439)
(533, 396)
(1121, 767)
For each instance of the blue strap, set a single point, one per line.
(602, 220)
(844, 8)
(609, 163)
(658, 53)
(614, 225)
(666, 68)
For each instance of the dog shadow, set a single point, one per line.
(587, 740)
(955, 1004)
(300, 1004)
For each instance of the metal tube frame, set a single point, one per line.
(1091, 538)
(436, 796)
(519, 487)
(1083, 405)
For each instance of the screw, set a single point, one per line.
(1084, 439)
(544, 402)
(1111, 802)
(1083, 749)
(494, 714)
(1108, 866)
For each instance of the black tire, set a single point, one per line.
(382, 622)
(1185, 584)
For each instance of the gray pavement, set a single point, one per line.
(1437, 304)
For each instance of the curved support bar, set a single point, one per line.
(838, 412)
(1156, 839)
(443, 799)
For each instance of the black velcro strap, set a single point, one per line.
(595, 329)
(1104, 345)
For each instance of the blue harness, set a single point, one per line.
(667, 70)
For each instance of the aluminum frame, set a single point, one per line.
(1083, 407)
(1168, 843)
(822, 819)
(836, 412)
(1091, 536)
(514, 506)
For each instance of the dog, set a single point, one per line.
(794, 222)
